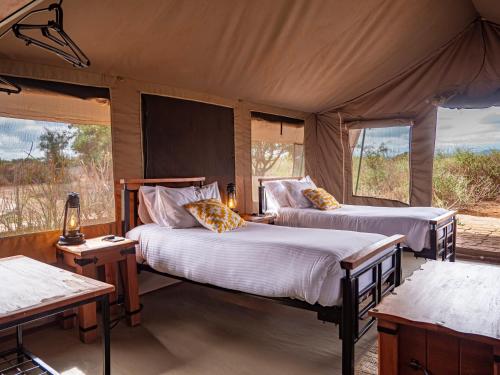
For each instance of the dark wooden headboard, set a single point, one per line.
(130, 195)
(262, 190)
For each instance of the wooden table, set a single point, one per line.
(86, 258)
(32, 290)
(445, 319)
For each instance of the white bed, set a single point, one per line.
(429, 231)
(266, 260)
(413, 222)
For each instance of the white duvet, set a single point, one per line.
(413, 222)
(266, 260)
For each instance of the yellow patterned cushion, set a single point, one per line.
(321, 199)
(215, 215)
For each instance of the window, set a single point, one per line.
(277, 148)
(466, 174)
(40, 162)
(380, 162)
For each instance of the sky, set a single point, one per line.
(396, 139)
(474, 129)
(17, 136)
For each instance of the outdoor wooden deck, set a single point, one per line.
(478, 238)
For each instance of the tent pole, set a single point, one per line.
(360, 159)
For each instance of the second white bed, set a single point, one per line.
(266, 260)
(413, 222)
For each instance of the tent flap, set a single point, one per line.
(468, 67)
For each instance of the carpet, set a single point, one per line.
(368, 364)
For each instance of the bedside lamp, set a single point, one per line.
(231, 196)
(71, 228)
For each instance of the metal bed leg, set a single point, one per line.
(398, 270)
(454, 243)
(347, 326)
(434, 242)
(106, 343)
(452, 257)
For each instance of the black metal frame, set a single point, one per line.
(77, 58)
(9, 87)
(443, 247)
(21, 352)
(443, 237)
(355, 303)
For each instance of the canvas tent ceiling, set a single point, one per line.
(304, 55)
(11, 7)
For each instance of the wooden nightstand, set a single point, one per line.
(264, 219)
(94, 253)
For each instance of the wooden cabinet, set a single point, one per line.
(445, 319)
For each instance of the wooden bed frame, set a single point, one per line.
(352, 315)
(442, 229)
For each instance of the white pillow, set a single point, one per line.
(164, 205)
(168, 210)
(210, 191)
(276, 194)
(146, 199)
(295, 190)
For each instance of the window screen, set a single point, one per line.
(277, 148)
(52, 143)
(380, 162)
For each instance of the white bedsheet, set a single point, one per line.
(262, 259)
(413, 222)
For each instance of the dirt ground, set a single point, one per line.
(485, 208)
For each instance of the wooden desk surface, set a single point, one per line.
(95, 245)
(460, 299)
(29, 287)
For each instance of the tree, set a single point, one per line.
(53, 144)
(92, 142)
(92, 145)
(265, 155)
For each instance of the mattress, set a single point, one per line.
(265, 260)
(413, 222)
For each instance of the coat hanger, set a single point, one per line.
(53, 30)
(9, 87)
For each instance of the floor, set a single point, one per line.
(192, 330)
(479, 236)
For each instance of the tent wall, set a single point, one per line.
(466, 68)
(126, 117)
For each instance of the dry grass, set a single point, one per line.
(464, 179)
(382, 177)
(33, 191)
